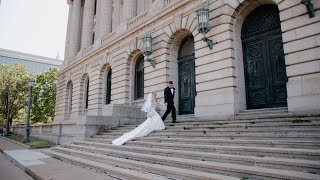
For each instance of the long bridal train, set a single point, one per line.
(152, 123)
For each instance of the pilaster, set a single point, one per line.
(106, 18)
(87, 25)
(74, 40)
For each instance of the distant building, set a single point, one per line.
(34, 63)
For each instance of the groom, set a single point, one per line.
(168, 101)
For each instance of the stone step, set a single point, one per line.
(269, 116)
(289, 120)
(213, 133)
(127, 163)
(266, 109)
(252, 129)
(254, 143)
(282, 163)
(263, 161)
(114, 171)
(206, 166)
(209, 141)
(241, 150)
(249, 126)
(263, 112)
(252, 136)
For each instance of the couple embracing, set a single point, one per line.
(153, 121)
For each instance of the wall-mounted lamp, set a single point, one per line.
(147, 48)
(203, 23)
(309, 7)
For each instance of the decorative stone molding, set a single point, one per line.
(108, 37)
(137, 20)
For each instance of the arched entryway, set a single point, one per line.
(186, 74)
(264, 63)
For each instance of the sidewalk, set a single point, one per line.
(43, 167)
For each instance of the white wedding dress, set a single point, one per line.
(153, 122)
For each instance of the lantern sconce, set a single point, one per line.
(203, 23)
(309, 7)
(147, 48)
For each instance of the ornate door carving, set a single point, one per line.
(265, 70)
(187, 87)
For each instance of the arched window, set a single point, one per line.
(139, 78)
(86, 97)
(69, 95)
(108, 87)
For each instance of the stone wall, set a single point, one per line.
(220, 81)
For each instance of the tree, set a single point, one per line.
(44, 94)
(14, 81)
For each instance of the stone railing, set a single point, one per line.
(137, 20)
(50, 132)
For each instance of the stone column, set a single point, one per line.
(130, 7)
(66, 50)
(98, 19)
(87, 24)
(74, 36)
(106, 17)
(141, 6)
(116, 15)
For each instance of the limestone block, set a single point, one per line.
(154, 81)
(288, 4)
(217, 84)
(292, 12)
(225, 54)
(298, 22)
(304, 68)
(214, 75)
(302, 44)
(302, 56)
(311, 84)
(215, 97)
(304, 104)
(222, 111)
(221, 37)
(294, 86)
(155, 74)
(302, 32)
(227, 63)
(118, 84)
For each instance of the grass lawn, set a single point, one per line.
(34, 142)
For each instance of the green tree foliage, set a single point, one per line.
(44, 93)
(14, 81)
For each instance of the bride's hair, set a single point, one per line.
(154, 96)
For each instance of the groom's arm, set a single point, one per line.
(165, 96)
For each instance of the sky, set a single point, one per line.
(34, 26)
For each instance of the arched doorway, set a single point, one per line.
(186, 73)
(264, 63)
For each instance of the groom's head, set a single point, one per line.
(170, 84)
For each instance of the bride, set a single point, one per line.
(153, 122)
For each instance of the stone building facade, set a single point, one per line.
(265, 54)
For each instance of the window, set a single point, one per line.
(69, 91)
(108, 87)
(139, 78)
(95, 7)
(86, 98)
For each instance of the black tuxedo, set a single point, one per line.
(168, 96)
(169, 99)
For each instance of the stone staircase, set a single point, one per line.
(259, 144)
